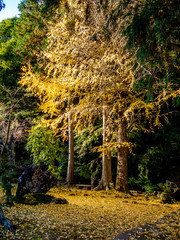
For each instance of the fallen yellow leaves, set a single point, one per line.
(89, 215)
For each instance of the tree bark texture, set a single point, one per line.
(106, 179)
(70, 169)
(122, 153)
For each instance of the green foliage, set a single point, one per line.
(30, 30)
(9, 66)
(86, 140)
(37, 198)
(8, 178)
(142, 183)
(166, 192)
(45, 148)
(157, 154)
(87, 163)
(151, 28)
(166, 197)
(153, 33)
(82, 171)
(151, 161)
(50, 5)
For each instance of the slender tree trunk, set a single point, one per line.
(7, 136)
(70, 168)
(12, 161)
(106, 179)
(122, 168)
(12, 152)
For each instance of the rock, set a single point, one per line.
(59, 201)
(35, 180)
(36, 198)
(176, 194)
(41, 198)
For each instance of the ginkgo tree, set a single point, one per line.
(85, 75)
(65, 75)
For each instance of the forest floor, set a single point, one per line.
(94, 215)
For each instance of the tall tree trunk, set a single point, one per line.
(122, 153)
(3, 157)
(106, 178)
(70, 168)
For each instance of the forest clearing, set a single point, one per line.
(89, 94)
(90, 215)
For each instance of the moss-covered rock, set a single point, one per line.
(41, 198)
(35, 179)
(36, 198)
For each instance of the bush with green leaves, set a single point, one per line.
(45, 148)
(87, 161)
(142, 182)
(9, 177)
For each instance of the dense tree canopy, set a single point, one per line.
(92, 72)
(9, 66)
(105, 75)
(111, 67)
(29, 30)
(153, 32)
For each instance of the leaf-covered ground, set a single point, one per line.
(90, 215)
(167, 228)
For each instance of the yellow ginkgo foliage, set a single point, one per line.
(84, 76)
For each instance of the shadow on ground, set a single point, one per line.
(166, 228)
